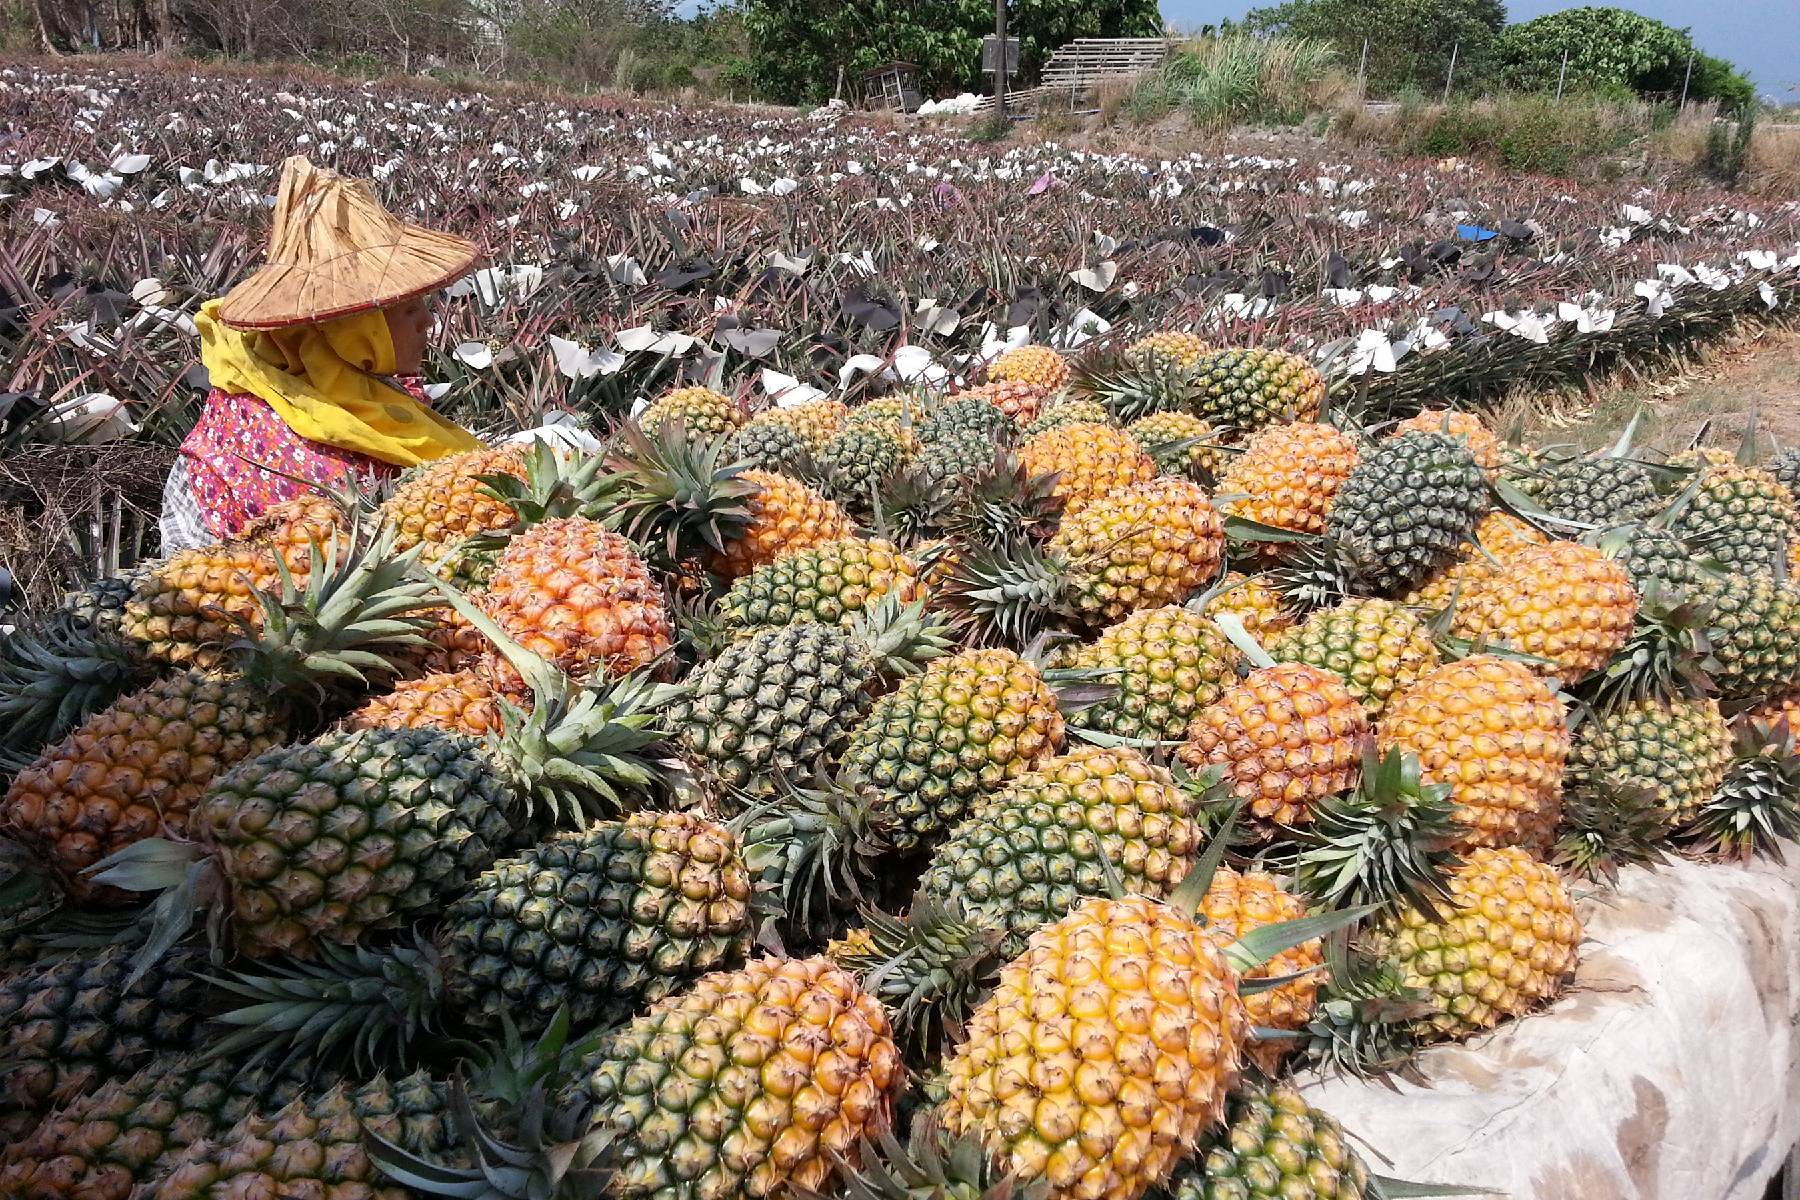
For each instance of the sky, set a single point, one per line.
(1761, 36)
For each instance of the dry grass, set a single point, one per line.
(73, 513)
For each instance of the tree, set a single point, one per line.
(1616, 48)
(797, 47)
(1410, 41)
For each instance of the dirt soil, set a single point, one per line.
(1716, 391)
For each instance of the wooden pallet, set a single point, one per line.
(1090, 62)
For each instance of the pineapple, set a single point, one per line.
(54, 674)
(769, 446)
(1740, 515)
(696, 411)
(957, 731)
(1677, 748)
(1656, 561)
(1785, 467)
(1495, 733)
(1018, 400)
(1601, 492)
(1464, 427)
(465, 702)
(1049, 1057)
(1289, 475)
(1169, 347)
(1244, 390)
(1377, 647)
(1163, 665)
(128, 1133)
(1138, 547)
(1755, 634)
(1179, 443)
(446, 502)
(830, 584)
(1497, 946)
(1288, 736)
(138, 766)
(1039, 366)
(784, 515)
(74, 1022)
(1061, 832)
(1089, 462)
(814, 422)
(580, 596)
(1562, 601)
(318, 1145)
(784, 701)
(1498, 537)
(1253, 601)
(1274, 1144)
(855, 462)
(959, 438)
(759, 1082)
(1058, 413)
(1234, 905)
(1757, 805)
(1408, 504)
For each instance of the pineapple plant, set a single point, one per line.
(1288, 476)
(1493, 732)
(1288, 736)
(1377, 647)
(1163, 665)
(1244, 390)
(958, 730)
(695, 411)
(1497, 945)
(1089, 461)
(1562, 602)
(1464, 427)
(446, 502)
(1273, 1144)
(1039, 366)
(1738, 514)
(830, 584)
(1407, 506)
(137, 767)
(1179, 443)
(1044, 1059)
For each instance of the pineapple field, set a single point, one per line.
(991, 672)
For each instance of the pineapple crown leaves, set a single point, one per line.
(903, 635)
(580, 747)
(684, 494)
(929, 968)
(556, 484)
(1006, 596)
(53, 675)
(1232, 626)
(1363, 1023)
(932, 1162)
(184, 879)
(1668, 653)
(513, 1071)
(1134, 385)
(367, 1003)
(1004, 505)
(1757, 805)
(818, 848)
(1608, 823)
(1384, 844)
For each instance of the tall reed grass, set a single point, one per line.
(1238, 78)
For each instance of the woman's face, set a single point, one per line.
(409, 325)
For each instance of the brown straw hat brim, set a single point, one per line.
(334, 251)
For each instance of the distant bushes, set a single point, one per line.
(1526, 132)
(1234, 78)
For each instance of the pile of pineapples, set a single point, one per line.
(950, 795)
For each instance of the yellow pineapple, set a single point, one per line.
(1561, 601)
(1039, 366)
(445, 502)
(785, 515)
(1288, 475)
(1089, 461)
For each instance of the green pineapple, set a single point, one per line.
(1599, 491)
(1160, 666)
(1244, 390)
(831, 584)
(1755, 635)
(1181, 443)
(1068, 412)
(1377, 646)
(1740, 515)
(1273, 1144)
(853, 464)
(766, 446)
(1410, 503)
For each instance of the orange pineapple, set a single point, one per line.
(445, 502)
(1039, 366)
(1288, 475)
(1465, 427)
(1089, 460)
(785, 515)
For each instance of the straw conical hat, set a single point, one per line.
(334, 250)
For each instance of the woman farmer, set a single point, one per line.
(305, 358)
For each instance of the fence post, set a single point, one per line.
(1685, 79)
(1562, 75)
(1362, 69)
(1000, 50)
(1450, 75)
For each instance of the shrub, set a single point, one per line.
(1615, 48)
(1222, 80)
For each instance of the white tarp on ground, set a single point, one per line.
(1667, 1072)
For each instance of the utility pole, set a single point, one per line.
(1562, 75)
(1362, 69)
(1450, 75)
(1686, 79)
(1000, 66)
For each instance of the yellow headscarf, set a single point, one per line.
(321, 381)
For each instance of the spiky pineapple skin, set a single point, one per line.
(956, 731)
(768, 446)
(699, 412)
(1027, 855)
(465, 702)
(754, 1083)
(1140, 546)
(1754, 628)
(856, 461)
(1274, 1144)
(1234, 905)
(1287, 735)
(1500, 945)
(317, 1145)
(1176, 347)
(1289, 475)
(1464, 426)
(785, 515)
(1410, 502)
(1089, 461)
(1179, 443)
(446, 502)
(1019, 400)
(1600, 491)
(781, 701)
(1561, 601)
(579, 596)
(1245, 390)
(354, 831)
(1678, 748)
(72, 1023)
(598, 922)
(1164, 664)
(1494, 732)
(1039, 366)
(1742, 516)
(1377, 647)
(813, 422)
(1659, 564)
(134, 770)
(1045, 1059)
(1057, 414)
(1252, 601)
(1498, 538)
(830, 584)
